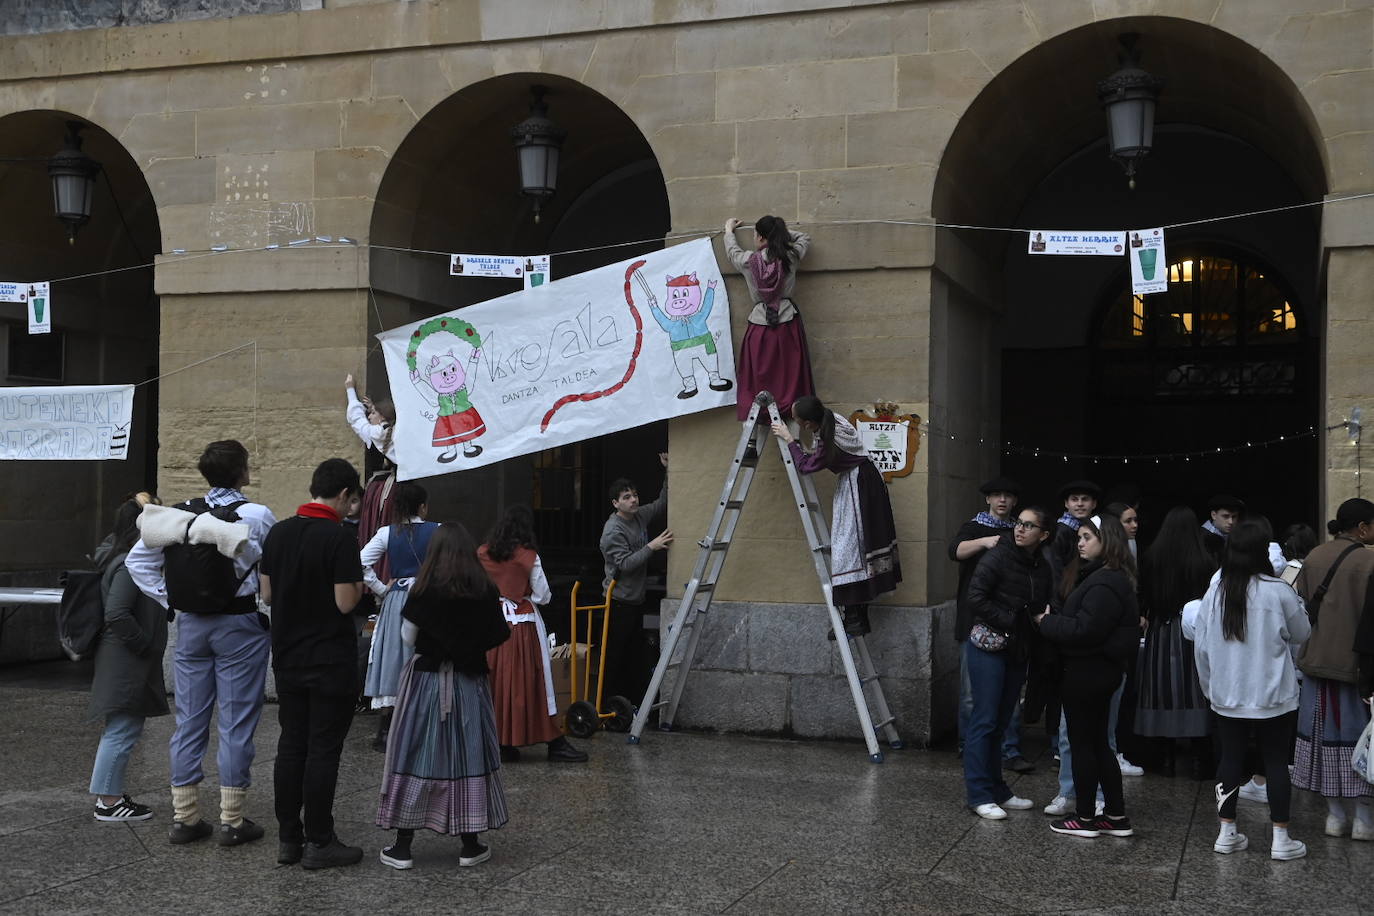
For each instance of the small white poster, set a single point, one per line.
(507, 266)
(537, 271)
(65, 422)
(40, 309)
(14, 292)
(1149, 264)
(1084, 241)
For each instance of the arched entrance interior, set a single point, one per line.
(453, 187)
(105, 331)
(1042, 353)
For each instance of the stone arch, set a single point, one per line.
(1234, 133)
(452, 186)
(105, 331)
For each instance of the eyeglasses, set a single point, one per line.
(1026, 526)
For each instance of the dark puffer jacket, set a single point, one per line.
(1009, 586)
(1100, 617)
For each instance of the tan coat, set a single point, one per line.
(1330, 651)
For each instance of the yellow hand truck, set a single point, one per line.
(583, 718)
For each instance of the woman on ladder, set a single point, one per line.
(403, 545)
(373, 422)
(863, 537)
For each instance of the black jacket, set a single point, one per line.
(1100, 617)
(969, 531)
(1008, 584)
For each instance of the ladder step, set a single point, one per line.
(734, 503)
(888, 721)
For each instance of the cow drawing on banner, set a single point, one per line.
(443, 356)
(683, 317)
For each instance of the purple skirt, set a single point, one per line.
(773, 359)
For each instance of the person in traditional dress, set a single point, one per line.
(1331, 708)
(443, 764)
(374, 423)
(521, 672)
(403, 545)
(774, 355)
(863, 537)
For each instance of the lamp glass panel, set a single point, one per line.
(1124, 126)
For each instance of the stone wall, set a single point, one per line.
(19, 17)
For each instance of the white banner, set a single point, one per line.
(1149, 264)
(40, 309)
(66, 422)
(510, 266)
(609, 349)
(1088, 241)
(14, 292)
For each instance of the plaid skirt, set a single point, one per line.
(442, 761)
(1331, 717)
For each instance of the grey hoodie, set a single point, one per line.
(1254, 679)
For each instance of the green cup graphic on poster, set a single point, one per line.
(38, 303)
(1148, 259)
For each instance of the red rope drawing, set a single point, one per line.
(629, 370)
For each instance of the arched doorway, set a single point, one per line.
(452, 186)
(105, 331)
(1061, 389)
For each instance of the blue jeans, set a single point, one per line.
(122, 731)
(221, 661)
(995, 680)
(1011, 739)
(1066, 754)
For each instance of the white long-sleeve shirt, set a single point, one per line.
(372, 434)
(372, 554)
(145, 563)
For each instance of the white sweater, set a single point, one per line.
(1254, 679)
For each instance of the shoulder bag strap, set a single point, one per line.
(1314, 606)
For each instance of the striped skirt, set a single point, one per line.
(389, 653)
(442, 761)
(1169, 698)
(1331, 717)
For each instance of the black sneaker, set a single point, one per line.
(246, 832)
(330, 855)
(1114, 826)
(510, 754)
(397, 859)
(478, 856)
(181, 833)
(1074, 826)
(1018, 764)
(289, 853)
(126, 809)
(561, 750)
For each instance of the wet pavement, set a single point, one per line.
(684, 823)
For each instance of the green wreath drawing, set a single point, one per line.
(434, 325)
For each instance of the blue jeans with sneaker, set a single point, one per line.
(995, 680)
(1066, 753)
(122, 731)
(1011, 739)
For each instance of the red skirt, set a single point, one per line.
(378, 498)
(773, 359)
(517, 689)
(458, 427)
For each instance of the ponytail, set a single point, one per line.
(773, 229)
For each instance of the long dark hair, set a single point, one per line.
(773, 229)
(809, 407)
(1116, 547)
(513, 531)
(1177, 567)
(125, 533)
(1297, 541)
(406, 502)
(451, 567)
(1246, 556)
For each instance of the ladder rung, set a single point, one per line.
(734, 503)
(705, 588)
(888, 721)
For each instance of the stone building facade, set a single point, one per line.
(861, 122)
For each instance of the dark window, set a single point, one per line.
(34, 356)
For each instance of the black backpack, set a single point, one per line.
(81, 615)
(200, 579)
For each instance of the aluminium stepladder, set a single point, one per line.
(696, 598)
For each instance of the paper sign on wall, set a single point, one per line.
(65, 422)
(608, 349)
(537, 271)
(40, 309)
(508, 266)
(1149, 264)
(1088, 241)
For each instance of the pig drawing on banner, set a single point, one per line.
(436, 362)
(683, 317)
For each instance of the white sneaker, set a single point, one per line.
(1336, 826)
(1361, 830)
(1128, 768)
(1016, 803)
(1060, 806)
(1253, 791)
(1229, 844)
(1287, 849)
(992, 811)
